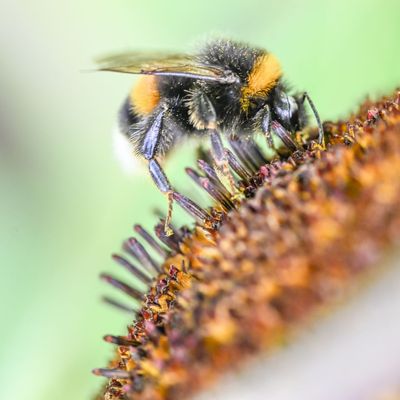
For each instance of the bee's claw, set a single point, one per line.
(167, 229)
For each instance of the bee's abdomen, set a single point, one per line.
(127, 117)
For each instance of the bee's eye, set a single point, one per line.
(286, 109)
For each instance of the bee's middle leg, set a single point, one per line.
(220, 158)
(204, 118)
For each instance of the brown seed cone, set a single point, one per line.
(318, 220)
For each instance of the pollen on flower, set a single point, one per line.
(256, 266)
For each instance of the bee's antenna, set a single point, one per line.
(321, 139)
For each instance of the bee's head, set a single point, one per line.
(288, 110)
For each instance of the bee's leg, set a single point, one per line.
(148, 150)
(204, 117)
(284, 135)
(265, 122)
(161, 181)
(268, 126)
(221, 159)
(321, 139)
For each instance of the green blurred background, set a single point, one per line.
(66, 204)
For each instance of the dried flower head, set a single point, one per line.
(296, 234)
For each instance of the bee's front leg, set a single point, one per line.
(264, 117)
(269, 126)
(285, 136)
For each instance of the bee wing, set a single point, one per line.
(165, 64)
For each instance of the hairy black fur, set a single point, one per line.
(185, 114)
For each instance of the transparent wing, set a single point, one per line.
(164, 64)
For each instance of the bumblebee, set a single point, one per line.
(227, 88)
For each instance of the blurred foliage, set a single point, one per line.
(66, 205)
